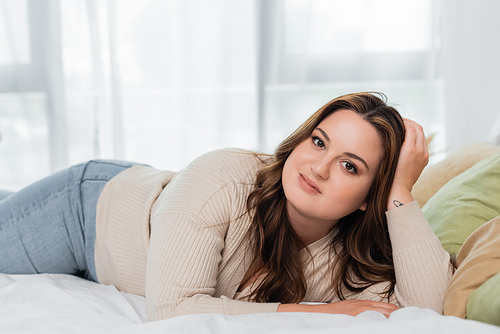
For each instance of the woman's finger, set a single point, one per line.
(410, 137)
(415, 130)
(421, 140)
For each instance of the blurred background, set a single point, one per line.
(163, 81)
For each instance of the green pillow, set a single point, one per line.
(465, 203)
(484, 302)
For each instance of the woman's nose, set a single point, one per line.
(321, 167)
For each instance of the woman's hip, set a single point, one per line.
(49, 226)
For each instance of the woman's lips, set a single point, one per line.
(308, 184)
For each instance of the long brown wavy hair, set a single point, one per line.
(361, 243)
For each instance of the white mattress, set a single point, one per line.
(66, 304)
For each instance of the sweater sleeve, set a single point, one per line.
(188, 232)
(423, 268)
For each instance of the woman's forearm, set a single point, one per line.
(349, 307)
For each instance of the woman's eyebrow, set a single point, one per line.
(357, 157)
(324, 134)
(350, 155)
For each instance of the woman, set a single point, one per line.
(329, 218)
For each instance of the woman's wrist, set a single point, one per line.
(297, 308)
(350, 307)
(289, 308)
(399, 196)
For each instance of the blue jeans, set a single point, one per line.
(49, 226)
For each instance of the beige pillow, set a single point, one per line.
(478, 260)
(435, 176)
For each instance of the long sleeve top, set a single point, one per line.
(180, 240)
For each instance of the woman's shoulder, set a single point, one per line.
(229, 164)
(233, 155)
(212, 189)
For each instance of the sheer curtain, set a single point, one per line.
(163, 81)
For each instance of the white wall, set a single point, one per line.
(471, 69)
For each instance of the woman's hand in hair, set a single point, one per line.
(349, 307)
(413, 157)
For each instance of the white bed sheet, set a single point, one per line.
(67, 304)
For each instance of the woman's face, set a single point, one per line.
(328, 175)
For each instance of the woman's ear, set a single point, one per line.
(364, 206)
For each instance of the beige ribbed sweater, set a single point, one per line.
(178, 239)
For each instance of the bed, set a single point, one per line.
(448, 193)
(49, 303)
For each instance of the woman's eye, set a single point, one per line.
(350, 167)
(318, 142)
